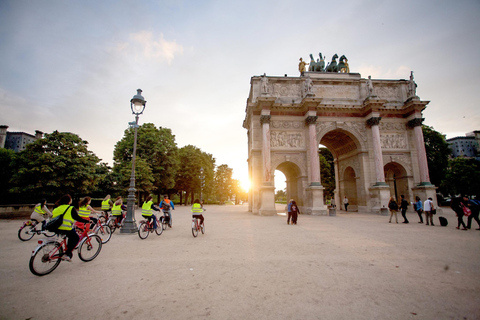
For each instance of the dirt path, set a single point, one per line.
(352, 266)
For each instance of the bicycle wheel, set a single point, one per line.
(41, 261)
(143, 230)
(194, 229)
(202, 227)
(111, 223)
(104, 232)
(26, 233)
(89, 247)
(164, 223)
(159, 229)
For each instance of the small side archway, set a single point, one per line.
(397, 179)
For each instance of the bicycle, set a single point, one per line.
(145, 227)
(102, 229)
(197, 227)
(165, 219)
(112, 221)
(28, 230)
(48, 255)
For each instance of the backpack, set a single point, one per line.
(294, 209)
(165, 206)
(443, 221)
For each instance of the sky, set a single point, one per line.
(74, 65)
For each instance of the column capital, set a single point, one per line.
(373, 121)
(311, 120)
(265, 118)
(415, 122)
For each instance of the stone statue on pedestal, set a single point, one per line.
(412, 87)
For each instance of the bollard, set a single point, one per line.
(332, 212)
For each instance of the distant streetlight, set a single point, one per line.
(202, 183)
(137, 104)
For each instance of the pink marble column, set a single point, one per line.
(377, 150)
(416, 124)
(267, 170)
(313, 151)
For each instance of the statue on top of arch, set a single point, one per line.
(319, 65)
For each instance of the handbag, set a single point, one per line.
(466, 211)
(434, 211)
(56, 222)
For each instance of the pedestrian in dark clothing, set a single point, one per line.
(295, 212)
(403, 208)
(456, 206)
(474, 206)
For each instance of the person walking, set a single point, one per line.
(419, 208)
(474, 206)
(393, 207)
(41, 212)
(70, 215)
(457, 206)
(289, 211)
(403, 208)
(295, 212)
(428, 207)
(345, 203)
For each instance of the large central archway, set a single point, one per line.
(371, 127)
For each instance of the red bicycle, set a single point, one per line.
(196, 226)
(48, 255)
(114, 224)
(29, 229)
(145, 227)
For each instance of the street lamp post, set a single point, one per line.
(137, 104)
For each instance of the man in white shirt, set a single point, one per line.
(428, 207)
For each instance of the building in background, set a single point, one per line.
(467, 146)
(17, 141)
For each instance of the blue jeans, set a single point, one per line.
(169, 214)
(149, 218)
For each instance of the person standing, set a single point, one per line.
(428, 207)
(289, 211)
(295, 212)
(393, 207)
(345, 203)
(457, 206)
(403, 208)
(41, 212)
(419, 208)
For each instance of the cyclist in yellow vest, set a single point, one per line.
(197, 210)
(70, 215)
(85, 211)
(117, 210)
(107, 204)
(147, 211)
(41, 212)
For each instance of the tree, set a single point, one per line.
(57, 164)
(438, 152)
(327, 172)
(7, 162)
(223, 182)
(463, 177)
(156, 159)
(192, 159)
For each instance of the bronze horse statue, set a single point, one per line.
(317, 66)
(343, 65)
(332, 66)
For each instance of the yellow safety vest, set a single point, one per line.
(106, 204)
(117, 210)
(197, 209)
(39, 210)
(67, 223)
(147, 208)
(84, 212)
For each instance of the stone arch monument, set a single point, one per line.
(372, 127)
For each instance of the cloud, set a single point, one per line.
(151, 47)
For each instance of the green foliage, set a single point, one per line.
(223, 183)
(7, 165)
(438, 152)
(327, 172)
(281, 196)
(463, 177)
(57, 164)
(156, 159)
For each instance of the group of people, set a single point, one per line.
(292, 212)
(85, 213)
(458, 205)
